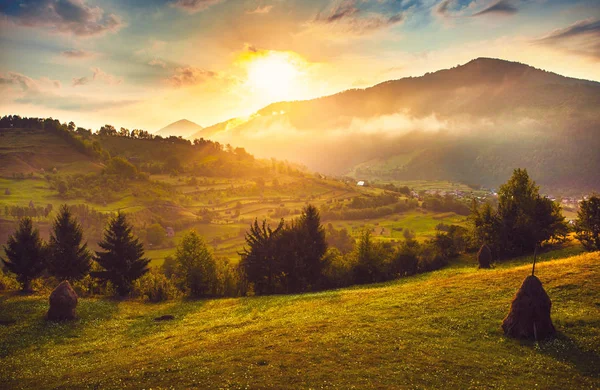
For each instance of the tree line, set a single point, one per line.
(293, 256)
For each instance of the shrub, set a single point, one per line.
(8, 282)
(155, 287)
(337, 270)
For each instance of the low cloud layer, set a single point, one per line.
(62, 16)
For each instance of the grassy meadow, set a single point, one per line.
(416, 332)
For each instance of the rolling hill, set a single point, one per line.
(416, 332)
(182, 128)
(473, 123)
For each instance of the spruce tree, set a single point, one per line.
(123, 255)
(69, 259)
(259, 260)
(312, 246)
(25, 254)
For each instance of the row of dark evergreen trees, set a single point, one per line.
(67, 257)
(288, 258)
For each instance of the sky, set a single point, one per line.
(146, 63)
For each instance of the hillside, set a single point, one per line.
(203, 187)
(28, 151)
(417, 332)
(473, 123)
(181, 128)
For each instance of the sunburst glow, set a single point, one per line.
(274, 75)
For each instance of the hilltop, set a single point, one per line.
(416, 332)
(182, 128)
(471, 123)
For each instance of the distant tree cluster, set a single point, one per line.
(30, 211)
(523, 220)
(446, 203)
(364, 202)
(376, 261)
(345, 212)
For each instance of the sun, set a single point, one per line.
(274, 75)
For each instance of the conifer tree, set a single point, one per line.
(123, 256)
(259, 260)
(314, 243)
(25, 254)
(69, 258)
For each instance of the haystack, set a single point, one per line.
(63, 302)
(484, 257)
(529, 316)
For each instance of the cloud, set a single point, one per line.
(62, 16)
(106, 78)
(80, 81)
(501, 7)
(21, 89)
(193, 6)
(189, 75)
(98, 75)
(581, 37)
(352, 16)
(77, 54)
(157, 62)
(260, 10)
(441, 9)
(28, 84)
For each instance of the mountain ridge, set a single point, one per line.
(460, 124)
(181, 128)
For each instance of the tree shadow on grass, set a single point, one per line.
(565, 349)
(25, 324)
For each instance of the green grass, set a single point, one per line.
(436, 330)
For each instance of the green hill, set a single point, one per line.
(440, 329)
(32, 151)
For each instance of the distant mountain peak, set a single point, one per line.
(181, 128)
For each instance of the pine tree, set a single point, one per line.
(69, 259)
(259, 260)
(123, 256)
(312, 246)
(25, 254)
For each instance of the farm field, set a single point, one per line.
(416, 332)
